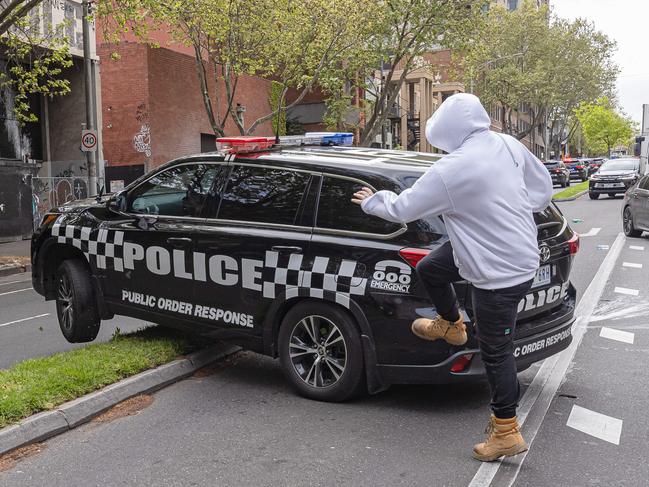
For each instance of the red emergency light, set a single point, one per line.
(240, 145)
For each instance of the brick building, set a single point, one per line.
(153, 111)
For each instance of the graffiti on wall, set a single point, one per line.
(142, 140)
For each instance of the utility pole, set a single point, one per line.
(91, 112)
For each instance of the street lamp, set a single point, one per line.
(487, 63)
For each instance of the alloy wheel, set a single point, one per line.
(64, 299)
(318, 351)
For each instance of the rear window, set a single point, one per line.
(337, 212)
(551, 164)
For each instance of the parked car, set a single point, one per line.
(578, 169)
(559, 173)
(635, 210)
(595, 164)
(614, 177)
(263, 247)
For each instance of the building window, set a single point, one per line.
(512, 4)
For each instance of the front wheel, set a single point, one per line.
(76, 308)
(320, 352)
(593, 196)
(627, 223)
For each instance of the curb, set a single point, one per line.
(572, 198)
(15, 269)
(81, 410)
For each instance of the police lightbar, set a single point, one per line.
(244, 144)
(239, 145)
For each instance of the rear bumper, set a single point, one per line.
(556, 335)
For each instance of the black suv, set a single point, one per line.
(266, 250)
(559, 173)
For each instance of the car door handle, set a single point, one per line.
(287, 249)
(179, 241)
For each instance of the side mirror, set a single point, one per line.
(118, 203)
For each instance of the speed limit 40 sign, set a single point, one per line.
(88, 140)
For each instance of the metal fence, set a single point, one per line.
(48, 193)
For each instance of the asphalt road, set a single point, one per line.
(28, 324)
(243, 425)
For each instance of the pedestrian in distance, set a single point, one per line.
(487, 189)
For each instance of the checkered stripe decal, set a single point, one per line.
(104, 245)
(324, 280)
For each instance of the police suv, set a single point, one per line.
(260, 244)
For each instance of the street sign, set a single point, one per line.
(88, 140)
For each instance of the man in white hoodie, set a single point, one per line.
(487, 189)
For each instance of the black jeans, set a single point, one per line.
(495, 314)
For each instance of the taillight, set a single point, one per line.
(579, 167)
(413, 256)
(461, 363)
(574, 244)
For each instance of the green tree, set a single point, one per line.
(603, 127)
(297, 44)
(390, 44)
(529, 58)
(33, 57)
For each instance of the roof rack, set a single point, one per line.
(247, 144)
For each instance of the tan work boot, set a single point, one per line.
(453, 333)
(504, 440)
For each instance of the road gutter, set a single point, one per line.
(11, 270)
(539, 395)
(81, 410)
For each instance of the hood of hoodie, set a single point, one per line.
(455, 120)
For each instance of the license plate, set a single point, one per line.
(609, 185)
(543, 276)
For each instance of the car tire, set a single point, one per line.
(76, 307)
(593, 196)
(331, 373)
(627, 224)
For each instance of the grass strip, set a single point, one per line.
(44, 383)
(571, 191)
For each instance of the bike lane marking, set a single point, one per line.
(24, 319)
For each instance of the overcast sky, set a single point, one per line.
(626, 21)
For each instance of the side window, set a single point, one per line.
(263, 195)
(178, 191)
(337, 212)
(644, 184)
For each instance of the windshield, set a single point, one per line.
(620, 165)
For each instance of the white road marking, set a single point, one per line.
(627, 291)
(633, 265)
(636, 247)
(591, 233)
(17, 291)
(24, 319)
(538, 396)
(13, 282)
(599, 425)
(619, 335)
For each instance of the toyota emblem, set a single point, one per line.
(544, 253)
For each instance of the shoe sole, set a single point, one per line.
(515, 450)
(450, 342)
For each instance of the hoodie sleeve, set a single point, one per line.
(428, 196)
(537, 181)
